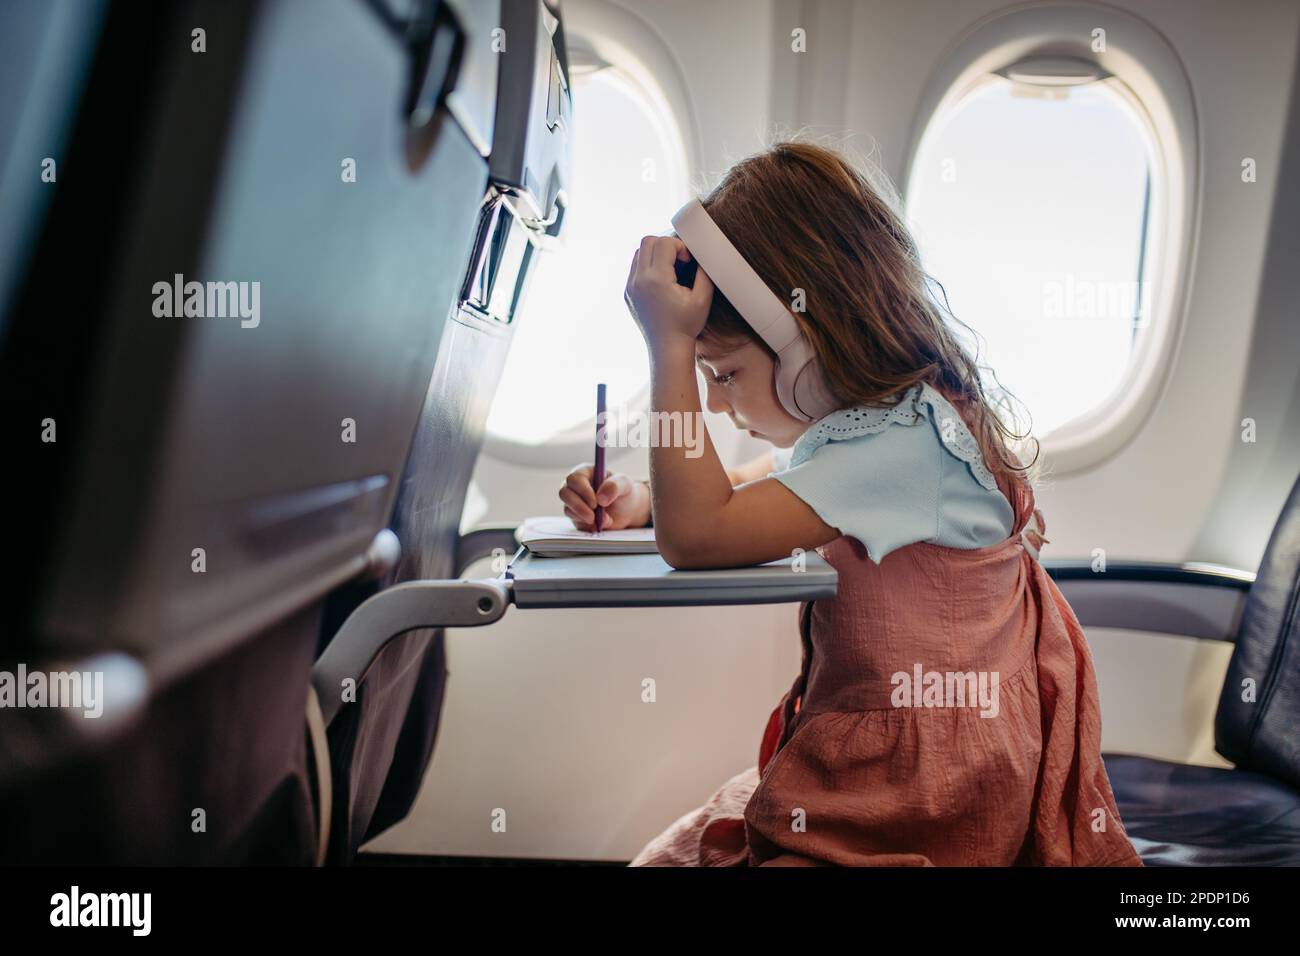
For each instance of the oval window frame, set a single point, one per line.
(1146, 70)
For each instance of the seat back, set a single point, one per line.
(1256, 726)
(208, 477)
(381, 742)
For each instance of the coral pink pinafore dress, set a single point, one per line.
(856, 768)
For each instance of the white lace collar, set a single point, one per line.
(917, 402)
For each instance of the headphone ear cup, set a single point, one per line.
(786, 380)
(811, 395)
(799, 384)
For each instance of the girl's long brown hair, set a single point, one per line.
(807, 219)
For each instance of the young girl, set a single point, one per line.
(946, 711)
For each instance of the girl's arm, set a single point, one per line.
(629, 503)
(700, 520)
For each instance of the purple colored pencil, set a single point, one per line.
(598, 471)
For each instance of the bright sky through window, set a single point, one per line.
(574, 329)
(1029, 210)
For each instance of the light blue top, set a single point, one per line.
(894, 476)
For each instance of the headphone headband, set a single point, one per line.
(798, 382)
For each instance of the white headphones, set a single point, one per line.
(799, 384)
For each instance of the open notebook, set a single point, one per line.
(550, 537)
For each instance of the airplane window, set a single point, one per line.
(1030, 206)
(629, 172)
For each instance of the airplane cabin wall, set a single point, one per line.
(543, 712)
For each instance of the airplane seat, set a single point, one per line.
(1249, 815)
(242, 225)
(381, 739)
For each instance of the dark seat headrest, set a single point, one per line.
(1259, 708)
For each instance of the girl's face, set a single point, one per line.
(741, 385)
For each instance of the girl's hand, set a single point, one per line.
(626, 502)
(662, 308)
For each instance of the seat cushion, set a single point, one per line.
(1180, 815)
